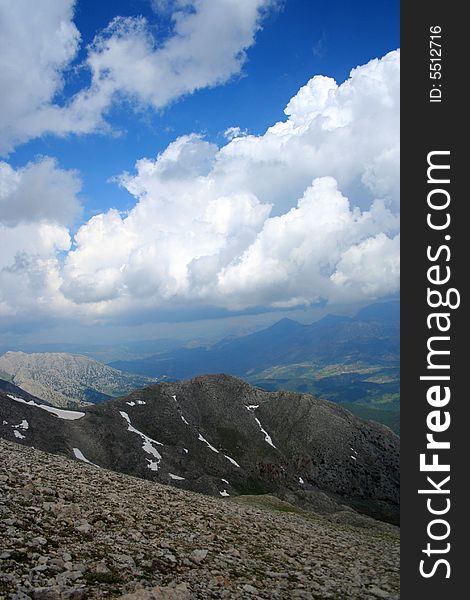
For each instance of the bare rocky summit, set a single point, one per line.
(219, 435)
(73, 531)
(66, 380)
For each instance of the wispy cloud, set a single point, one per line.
(320, 48)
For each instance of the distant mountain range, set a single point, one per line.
(221, 436)
(103, 352)
(353, 361)
(372, 335)
(67, 379)
(350, 360)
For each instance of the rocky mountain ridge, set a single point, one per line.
(67, 380)
(10, 388)
(220, 436)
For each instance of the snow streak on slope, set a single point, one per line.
(147, 445)
(79, 454)
(234, 462)
(203, 439)
(68, 415)
(267, 437)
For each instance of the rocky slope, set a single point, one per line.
(10, 388)
(67, 379)
(74, 531)
(220, 436)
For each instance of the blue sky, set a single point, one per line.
(284, 45)
(299, 39)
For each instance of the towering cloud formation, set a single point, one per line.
(262, 220)
(306, 212)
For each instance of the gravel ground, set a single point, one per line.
(73, 531)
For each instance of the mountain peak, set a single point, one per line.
(219, 435)
(286, 324)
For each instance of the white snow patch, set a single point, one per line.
(184, 420)
(23, 425)
(176, 477)
(224, 493)
(267, 437)
(147, 443)
(353, 457)
(234, 462)
(301, 480)
(68, 415)
(141, 402)
(131, 403)
(202, 439)
(186, 450)
(79, 454)
(355, 452)
(225, 481)
(174, 398)
(5, 422)
(252, 406)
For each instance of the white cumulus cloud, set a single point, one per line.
(38, 191)
(38, 203)
(234, 132)
(306, 212)
(206, 47)
(295, 257)
(36, 44)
